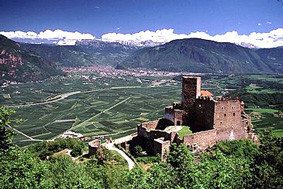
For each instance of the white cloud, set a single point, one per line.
(259, 24)
(57, 36)
(271, 39)
(268, 22)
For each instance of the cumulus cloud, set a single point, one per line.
(271, 39)
(57, 36)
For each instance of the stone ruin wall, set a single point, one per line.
(169, 113)
(202, 139)
(190, 91)
(150, 125)
(93, 147)
(204, 113)
(174, 115)
(153, 134)
(228, 120)
(178, 117)
(162, 148)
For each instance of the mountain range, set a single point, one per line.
(29, 62)
(198, 55)
(83, 53)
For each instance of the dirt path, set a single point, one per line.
(90, 119)
(66, 95)
(30, 138)
(56, 99)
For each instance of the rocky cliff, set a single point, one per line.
(20, 65)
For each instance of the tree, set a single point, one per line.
(268, 163)
(138, 150)
(6, 135)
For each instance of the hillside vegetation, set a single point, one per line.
(232, 164)
(198, 55)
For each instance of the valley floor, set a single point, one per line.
(104, 106)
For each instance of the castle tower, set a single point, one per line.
(190, 91)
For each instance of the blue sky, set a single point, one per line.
(98, 17)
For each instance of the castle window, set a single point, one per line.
(221, 122)
(234, 114)
(222, 108)
(224, 115)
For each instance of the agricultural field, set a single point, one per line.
(263, 118)
(112, 106)
(96, 107)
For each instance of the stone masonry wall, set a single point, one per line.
(202, 139)
(169, 113)
(162, 148)
(228, 120)
(178, 117)
(150, 125)
(204, 108)
(153, 134)
(190, 91)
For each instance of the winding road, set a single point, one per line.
(110, 146)
(66, 95)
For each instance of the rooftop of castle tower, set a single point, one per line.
(206, 93)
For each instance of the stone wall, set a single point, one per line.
(169, 113)
(204, 113)
(174, 115)
(161, 147)
(93, 147)
(150, 125)
(178, 117)
(201, 140)
(190, 91)
(228, 120)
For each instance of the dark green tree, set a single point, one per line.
(6, 135)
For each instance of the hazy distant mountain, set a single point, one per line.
(17, 64)
(132, 43)
(84, 53)
(198, 55)
(273, 57)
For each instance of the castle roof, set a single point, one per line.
(206, 93)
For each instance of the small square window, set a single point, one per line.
(234, 114)
(224, 115)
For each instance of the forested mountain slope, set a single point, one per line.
(198, 55)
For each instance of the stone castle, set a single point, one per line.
(210, 120)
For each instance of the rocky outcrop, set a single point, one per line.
(18, 65)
